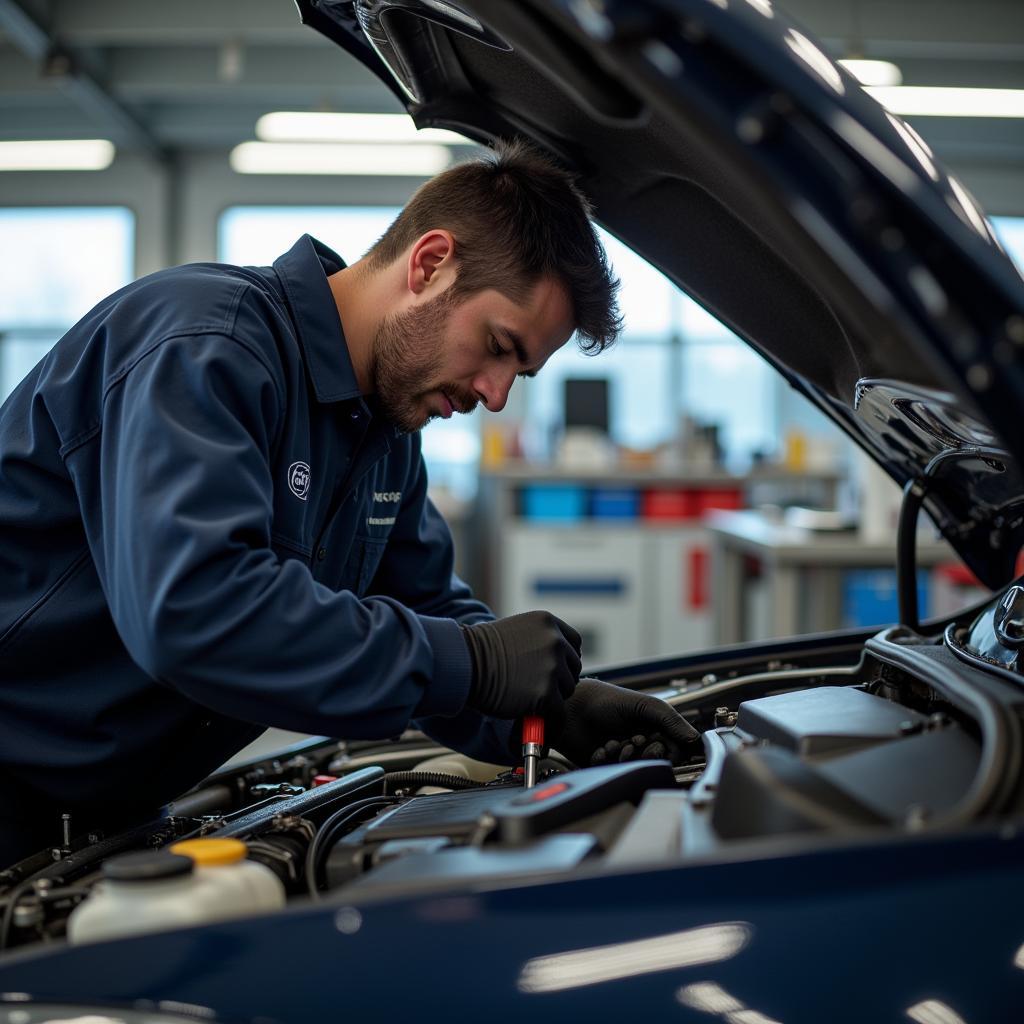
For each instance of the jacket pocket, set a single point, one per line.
(368, 554)
(48, 595)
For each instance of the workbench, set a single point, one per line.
(801, 572)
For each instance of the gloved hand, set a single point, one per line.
(525, 664)
(603, 723)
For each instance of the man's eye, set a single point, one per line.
(496, 349)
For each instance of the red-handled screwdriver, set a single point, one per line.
(533, 740)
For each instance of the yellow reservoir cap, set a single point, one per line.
(208, 853)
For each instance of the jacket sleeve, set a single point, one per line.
(417, 569)
(181, 540)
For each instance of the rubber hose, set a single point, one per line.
(440, 779)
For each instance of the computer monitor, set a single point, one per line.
(586, 403)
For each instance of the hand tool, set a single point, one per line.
(533, 741)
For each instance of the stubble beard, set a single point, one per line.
(407, 358)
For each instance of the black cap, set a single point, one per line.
(150, 866)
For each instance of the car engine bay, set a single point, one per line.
(812, 741)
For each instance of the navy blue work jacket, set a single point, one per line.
(206, 530)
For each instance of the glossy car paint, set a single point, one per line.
(852, 932)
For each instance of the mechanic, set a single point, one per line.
(215, 517)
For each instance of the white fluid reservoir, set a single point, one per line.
(245, 886)
(197, 881)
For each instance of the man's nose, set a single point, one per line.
(493, 389)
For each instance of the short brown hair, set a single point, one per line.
(516, 217)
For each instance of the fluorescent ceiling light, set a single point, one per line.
(313, 126)
(56, 155)
(944, 101)
(334, 158)
(873, 72)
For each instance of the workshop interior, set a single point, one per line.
(787, 502)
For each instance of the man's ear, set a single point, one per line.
(431, 261)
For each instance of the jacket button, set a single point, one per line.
(321, 554)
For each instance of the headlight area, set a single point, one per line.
(879, 743)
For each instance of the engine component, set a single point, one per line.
(417, 780)
(198, 880)
(826, 720)
(771, 791)
(208, 800)
(494, 817)
(553, 853)
(560, 802)
(654, 833)
(834, 758)
(314, 804)
(458, 764)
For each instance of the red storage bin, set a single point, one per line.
(669, 503)
(719, 498)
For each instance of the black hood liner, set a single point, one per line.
(812, 248)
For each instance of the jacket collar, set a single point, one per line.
(303, 272)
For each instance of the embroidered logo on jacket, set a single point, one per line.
(298, 479)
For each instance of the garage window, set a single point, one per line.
(57, 263)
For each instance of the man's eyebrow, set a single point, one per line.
(520, 349)
(517, 343)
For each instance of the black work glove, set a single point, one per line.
(603, 723)
(524, 665)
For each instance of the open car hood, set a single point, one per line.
(717, 140)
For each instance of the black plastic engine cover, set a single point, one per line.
(769, 791)
(497, 817)
(826, 721)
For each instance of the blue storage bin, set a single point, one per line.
(615, 503)
(870, 598)
(561, 503)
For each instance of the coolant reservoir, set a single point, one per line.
(141, 892)
(196, 881)
(245, 886)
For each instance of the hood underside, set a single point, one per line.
(718, 141)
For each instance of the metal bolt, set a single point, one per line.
(27, 914)
(708, 679)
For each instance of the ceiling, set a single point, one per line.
(195, 74)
